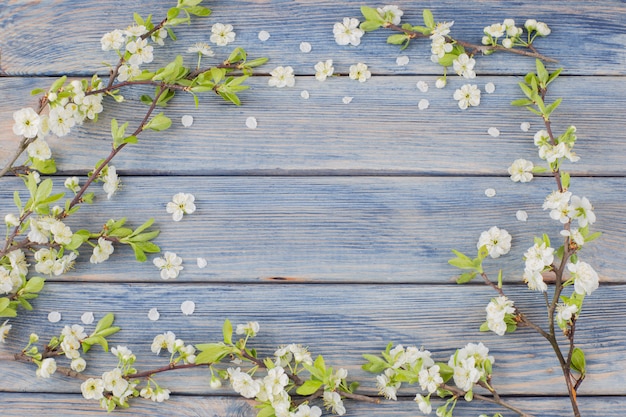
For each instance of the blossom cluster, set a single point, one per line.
(510, 35)
(466, 367)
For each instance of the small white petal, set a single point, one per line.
(304, 94)
(153, 314)
(525, 126)
(493, 131)
(490, 192)
(490, 88)
(423, 104)
(346, 100)
(187, 307)
(521, 215)
(186, 120)
(54, 317)
(264, 35)
(87, 317)
(305, 47)
(422, 86)
(402, 60)
(251, 122)
(202, 263)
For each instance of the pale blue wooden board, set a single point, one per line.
(587, 37)
(341, 322)
(18, 405)
(338, 229)
(380, 132)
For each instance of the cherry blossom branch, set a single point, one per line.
(484, 49)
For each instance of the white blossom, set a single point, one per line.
(332, 401)
(182, 203)
(348, 32)
(163, 341)
(496, 240)
(111, 181)
(201, 48)
(250, 329)
(112, 40)
(92, 389)
(386, 384)
(4, 331)
(430, 379)
(539, 256)
(423, 404)
(391, 14)
(243, 383)
(170, 265)
(521, 170)
(534, 279)
(464, 66)
(360, 72)
(581, 210)
(324, 69)
(468, 95)
(497, 310)
(39, 149)
(282, 77)
(585, 277)
(47, 368)
(61, 120)
(27, 122)
(564, 313)
(221, 34)
(141, 52)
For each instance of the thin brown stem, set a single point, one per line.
(493, 400)
(166, 368)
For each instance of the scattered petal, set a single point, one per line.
(305, 47)
(490, 88)
(188, 307)
(251, 122)
(525, 126)
(423, 104)
(153, 314)
(202, 263)
(264, 35)
(422, 86)
(441, 82)
(347, 100)
(490, 192)
(304, 94)
(493, 131)
(87, 317)
(402, 60)
(521, 215)
(54, 317)
(186, 120)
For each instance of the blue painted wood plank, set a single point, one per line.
(340, 322)
(338, 229)
(380, 132)
(35, 37)
(16, 405)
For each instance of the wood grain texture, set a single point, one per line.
(338, 229)
(202, 406)
(341, 322)
(590, 33)
(380, 132)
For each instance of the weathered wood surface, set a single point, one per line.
(337, 321)
(338, 229)
(214, 406)
(322, 135)
(357, 206)
(587, 38)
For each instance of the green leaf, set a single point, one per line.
(4, 303)
(58, 84)
(266, 410)
(542, 73)
(429, 20)
(592, 237)
(309, 387)
(199, 11)
(105, 322)
(145, 237)
(397, 39)
(108, 331)
(447, 60)
(565, 178)
(521, 102)
(34, 285)
(47, 166)
(553, 76)
(227, 332)
(370, 14)
(550, 108)
(375, 364)
(97, 340)
(466, 277)
(484, 327)
(173, 13)
(461, 261)
(138, 19)
(211, 353)
(579, 364)
(17, 200)
(37, 91)
(159, 123)
(43, 191)
(368, 26)
(256, 62)
(25, 304)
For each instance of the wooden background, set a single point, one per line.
(330, 224)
